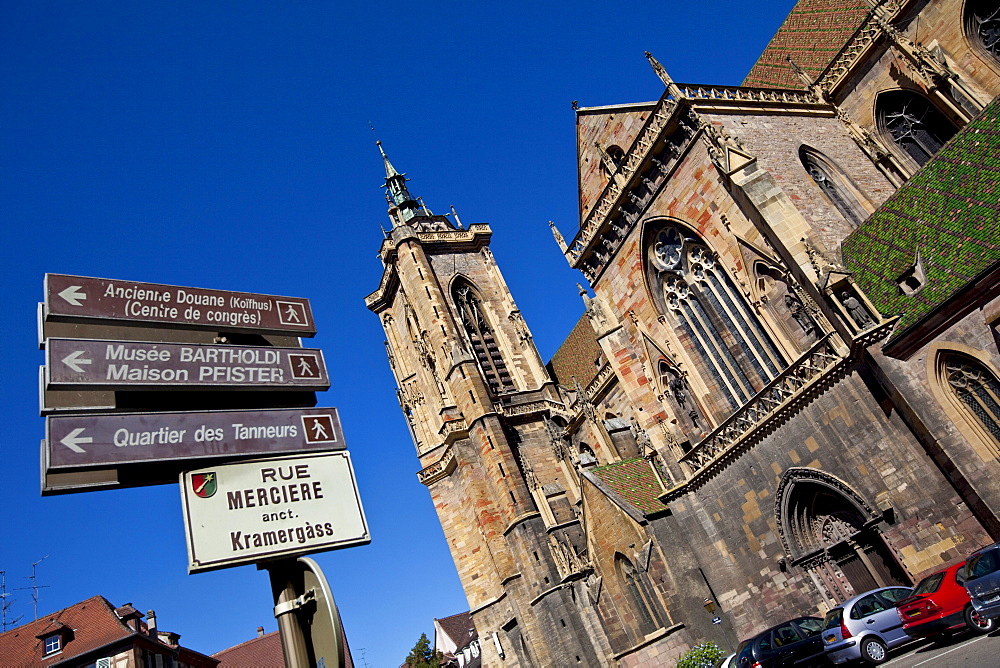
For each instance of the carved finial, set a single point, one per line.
(458, 222)
(661, 72)
(575, 105)
(558, 237)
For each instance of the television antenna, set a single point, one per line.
(34, 584)
(4, 604)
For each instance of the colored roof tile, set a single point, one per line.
(578, 356)
(949, 212)
(812, 35)
(634, 481)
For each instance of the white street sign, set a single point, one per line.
(244, 513)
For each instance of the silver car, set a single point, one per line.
(982, 580)
(865, 626)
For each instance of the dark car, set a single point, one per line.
(940, 604)
(982, 581)
(796, 642)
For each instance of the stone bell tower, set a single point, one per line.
(479, 404)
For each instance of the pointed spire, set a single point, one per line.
(661, 72)
(396, 193)
(558, 237)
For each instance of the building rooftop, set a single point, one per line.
(812, 35)
(578, 355)
(634, 481)
(946, 219)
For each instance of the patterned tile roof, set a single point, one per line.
(577, 356)
(949, 212)
(634, 481)
(812, 34)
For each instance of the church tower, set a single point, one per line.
(482, 411)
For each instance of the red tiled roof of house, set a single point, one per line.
(92, 624)
(264, 652)
(460, 628)
(812, 34)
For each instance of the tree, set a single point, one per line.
(422, 656)
(701, 656)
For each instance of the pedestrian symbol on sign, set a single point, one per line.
(319, 429)
(304, 366)
(291, 313)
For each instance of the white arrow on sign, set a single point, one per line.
(73, 439)
(73, 295)
(73, 361)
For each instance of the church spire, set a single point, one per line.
(396, 194)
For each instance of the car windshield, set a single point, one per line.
(809, 627)
(929, 584)
(982, 564)
(833, 618)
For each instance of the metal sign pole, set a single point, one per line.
(284, 586)
(312, 635)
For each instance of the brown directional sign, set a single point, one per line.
(104, 364)
(102, 299)
(120, 440)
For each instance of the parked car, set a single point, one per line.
(865, 626)
(791, 643)
(939, 604)
(726, 662)
(982, 580)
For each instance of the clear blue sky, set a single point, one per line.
(226, 145)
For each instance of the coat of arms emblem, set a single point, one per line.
(204, 484)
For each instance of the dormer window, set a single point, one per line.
(913, 279)
(53, 644)
(611, 159)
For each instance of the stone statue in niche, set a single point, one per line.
(641, 437)
(857, 312)
(798, 311)
(679, 389)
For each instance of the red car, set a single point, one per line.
(938, 604)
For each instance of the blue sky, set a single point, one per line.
(226, 145)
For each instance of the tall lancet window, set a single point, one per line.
(834, 185)
(725, 336)
(913, 124)
(982, 26)
(484, 344)
(977, 389)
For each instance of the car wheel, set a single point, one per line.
(873, 650)
(977, 623)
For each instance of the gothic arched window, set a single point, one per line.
(480, 333)
(976, 388)
(913, 124)
(982, 26)
(834, 185)
(639, 598)
(720, 328)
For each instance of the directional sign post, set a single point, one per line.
(120, 440)
(266, 509)
(80, 363)
(102, 299)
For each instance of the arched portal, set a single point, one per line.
(831, 532)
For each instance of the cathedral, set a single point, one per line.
(784, 387)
